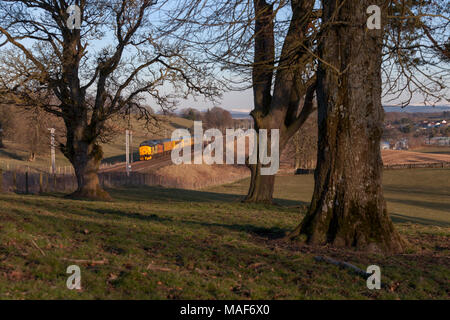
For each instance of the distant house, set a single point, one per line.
(401, 145)
(439, 141)
(385, 145)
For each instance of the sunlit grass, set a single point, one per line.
(155, 243)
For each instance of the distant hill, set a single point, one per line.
(15, 153)
(240, 115)
(408, 109)
(415, 109)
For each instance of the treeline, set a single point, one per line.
(27, 127)
(215, 118)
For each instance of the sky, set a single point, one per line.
(242, 101)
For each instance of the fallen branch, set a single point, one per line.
(157, 268)
(345, 265)
(349, 266)
(82, 261)
(35, 244)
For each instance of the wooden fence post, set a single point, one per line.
(41, 189)
(26, 182)
(14, 181)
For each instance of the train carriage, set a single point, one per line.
(154, 148)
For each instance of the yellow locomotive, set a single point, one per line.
(155, 148)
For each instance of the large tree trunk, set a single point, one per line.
(86, 163)
(279, 110)
(261, 187)
(1, 137)
(348, 208)
(85, 156)
(35, 139)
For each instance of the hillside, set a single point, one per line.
(156, 243)
(15, 155)
(395, 157)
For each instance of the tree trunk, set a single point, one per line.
(32, 156)
(348, 208)
(279, 110)
(261, 187)
(85, 157)
(1, 137)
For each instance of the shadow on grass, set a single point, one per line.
(119, 158)
(269, 233)
(435, 151)
(400, 218)
(146, 193)
(133, 215)
(153, 193)
(11, 155)
(429, 190)
(438, 206)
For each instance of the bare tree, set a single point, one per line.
(348, 208)
(218, 118)
(304, 144)
(4, 121)
(191, 114)
(121, 56)
(266, 44)
(1, 135)
(416, 53)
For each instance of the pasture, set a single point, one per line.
(157, 243)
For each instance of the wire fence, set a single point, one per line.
(6, 165)
(25, 181)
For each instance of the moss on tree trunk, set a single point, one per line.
(86, 157)
(348, 208)
(261, 187)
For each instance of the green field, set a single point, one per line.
(419, 196)
(155, 243)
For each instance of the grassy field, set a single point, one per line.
(432, 149)
(419, 196)
(155, 243)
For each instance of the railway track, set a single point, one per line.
(140, 166)
(152, 164)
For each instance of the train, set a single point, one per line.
(155, 148)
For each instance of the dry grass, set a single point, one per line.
(396, 157)
(202, 175)
(158, 243)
